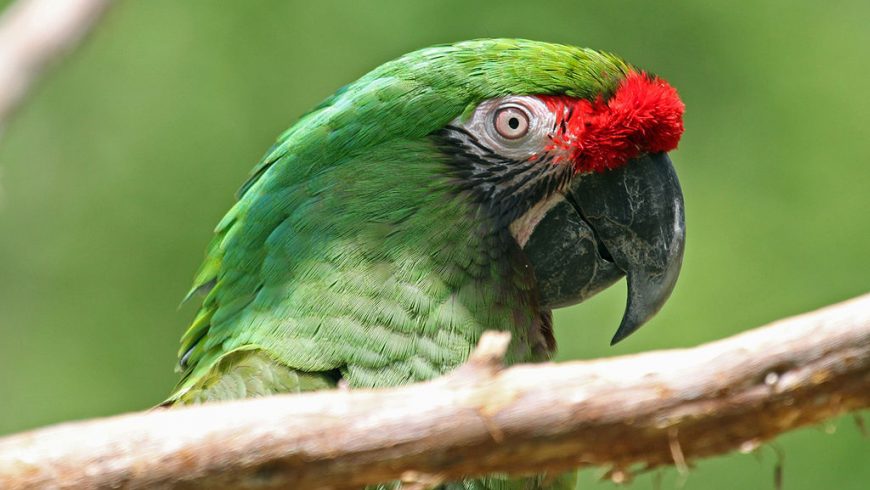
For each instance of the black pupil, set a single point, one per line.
(514, 123)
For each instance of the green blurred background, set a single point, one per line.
(116, 169)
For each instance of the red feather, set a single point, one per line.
(644, 115)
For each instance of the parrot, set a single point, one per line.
(456, 189)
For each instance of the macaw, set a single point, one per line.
(457, 189)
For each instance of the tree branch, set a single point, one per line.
(33, 33)
(657, 408)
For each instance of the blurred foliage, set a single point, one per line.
(115, 171)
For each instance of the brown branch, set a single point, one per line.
(658, 408)
(33, 33)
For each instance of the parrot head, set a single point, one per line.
(621, 213)
(580, 174)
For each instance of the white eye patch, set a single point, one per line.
(514, 127)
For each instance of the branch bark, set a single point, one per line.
(33, 33)
(658, 408)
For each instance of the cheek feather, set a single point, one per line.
(644, 115)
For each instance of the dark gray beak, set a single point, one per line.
(623, 222)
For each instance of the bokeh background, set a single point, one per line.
(116, 169)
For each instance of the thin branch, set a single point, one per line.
(652, 409)
(34, 33)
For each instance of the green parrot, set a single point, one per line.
(457, 189)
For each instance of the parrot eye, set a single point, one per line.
(516, 127)
(511, 122)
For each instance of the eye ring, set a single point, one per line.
(511, 122)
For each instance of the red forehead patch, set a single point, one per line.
(644, 115)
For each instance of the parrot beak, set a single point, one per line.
(623, 222)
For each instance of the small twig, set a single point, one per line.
(491, 349)
(778, 466)
(859, 422)
(677, 452)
